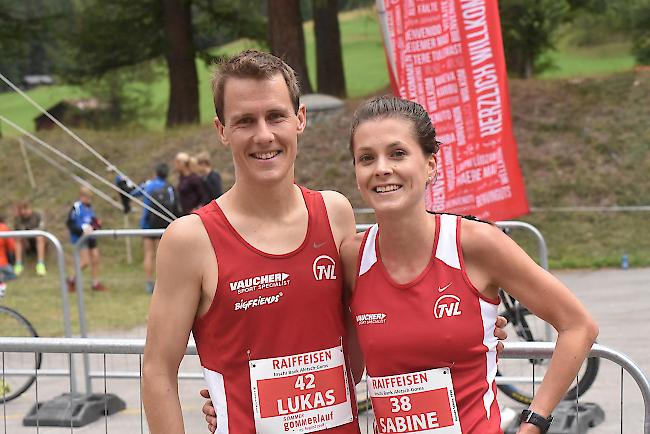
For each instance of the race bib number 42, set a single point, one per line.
(301, 393)
(419, 402)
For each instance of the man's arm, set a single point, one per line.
(341, 218)
(180, 262)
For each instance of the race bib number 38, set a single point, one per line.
(301, 393)
(419, 402)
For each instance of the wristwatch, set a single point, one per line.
(543, 423)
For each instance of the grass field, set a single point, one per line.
(574, 61)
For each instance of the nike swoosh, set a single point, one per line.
(442, 289)
(319, 245)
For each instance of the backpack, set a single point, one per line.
(166, 196)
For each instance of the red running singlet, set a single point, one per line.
(271, 343)
(439, 320)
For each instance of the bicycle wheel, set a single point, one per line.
(525, 326)
(17, 370)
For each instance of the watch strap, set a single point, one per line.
(543, 423)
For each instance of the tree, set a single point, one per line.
(122, 33)
(27, 36)
(179, 52)
(528, 30)
(329, 58)
(286, 37)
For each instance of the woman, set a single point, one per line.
(425, 290)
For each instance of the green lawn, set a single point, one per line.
(572, 61)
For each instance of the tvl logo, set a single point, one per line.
(324, 268)
(447, 305)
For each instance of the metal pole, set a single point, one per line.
(127, 242)
(67, 326)
(112, 233)
(28, 166)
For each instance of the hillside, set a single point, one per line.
(582, 142)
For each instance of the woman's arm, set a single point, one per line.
(493, 261)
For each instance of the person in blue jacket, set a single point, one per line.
(165, 194)
(82, 220)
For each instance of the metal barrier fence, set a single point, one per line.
(520, 350)
(60, 261)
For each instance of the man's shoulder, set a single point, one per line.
(184, 231)
(335, 200)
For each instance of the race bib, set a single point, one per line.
(301, 393)
(421, 402)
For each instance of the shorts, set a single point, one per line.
(29, 246)
(7, 273)
(89, 243)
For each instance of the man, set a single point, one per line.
(256, 276)
(191, 191)
(259, 119)
(82, 220)
(211, 177)
(27, 219)
(165, 195)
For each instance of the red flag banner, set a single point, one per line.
(448, 56)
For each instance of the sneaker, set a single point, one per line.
(72, 285)
(3, 288)
(40, 269)
(99, 287)
(18, 269)
(149, 287)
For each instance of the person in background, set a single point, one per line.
(210, 177)
(7, 247)
(159, 189)
(82, 220)
(27, 219)
(191, 191)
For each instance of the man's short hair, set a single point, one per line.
(162, 170)
(257, 65)
(203, 158)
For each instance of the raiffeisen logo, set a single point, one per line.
(256, 302)
(371, 318)
(260, 282)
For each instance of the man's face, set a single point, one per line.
(85, 198)
(25, 211)
(261, 128)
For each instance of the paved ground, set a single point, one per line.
(617, 298)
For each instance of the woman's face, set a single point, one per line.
(389, 164)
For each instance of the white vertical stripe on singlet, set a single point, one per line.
(218, 396)
(447, 251)
(489, 316)
(369, 255)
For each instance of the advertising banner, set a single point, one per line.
(448, 56)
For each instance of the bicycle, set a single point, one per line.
(524, 325)
(17, 370)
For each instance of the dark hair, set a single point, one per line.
(388, 106)
(162, 170)
(252, 64)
